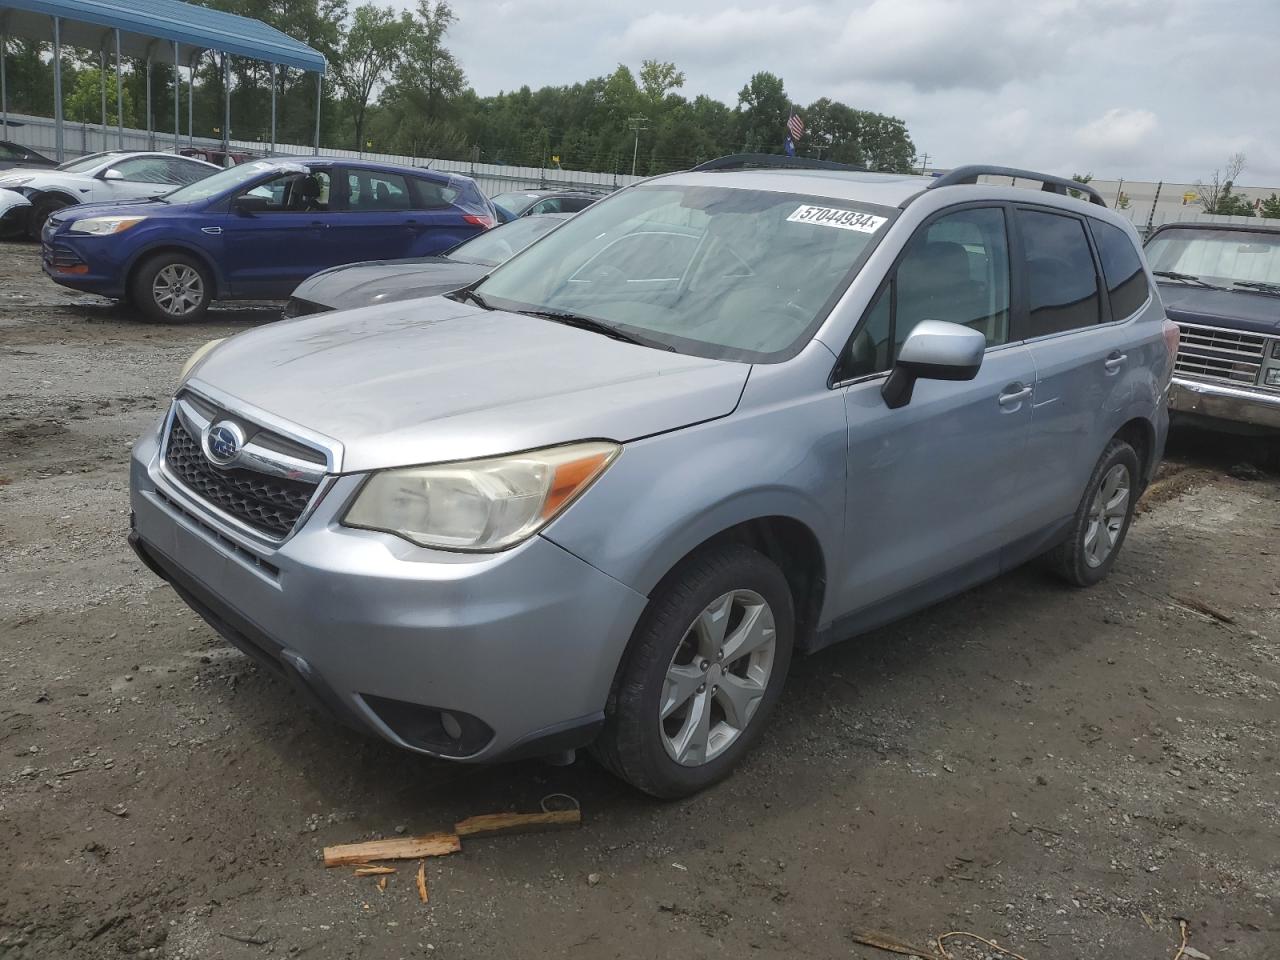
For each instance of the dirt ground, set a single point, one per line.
(1064, 772)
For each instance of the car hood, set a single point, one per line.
(423, 381)
(1233, 309)
(143, 206)
(382, 281)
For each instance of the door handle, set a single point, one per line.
(1014, 394)
(1115, 362)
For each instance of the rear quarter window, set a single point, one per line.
(1121, 268)
(429, 194)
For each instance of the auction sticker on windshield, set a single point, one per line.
(834, 217)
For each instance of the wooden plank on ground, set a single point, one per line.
(489, 824)
(401, 848)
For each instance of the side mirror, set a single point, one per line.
(111, 173)
(934, 350)
(245, 204)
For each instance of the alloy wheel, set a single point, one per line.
(1107, 515)
(717, 677)
(178, 289)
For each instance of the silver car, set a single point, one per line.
(603, 495)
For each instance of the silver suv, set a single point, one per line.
(601, 496)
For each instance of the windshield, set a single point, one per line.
(1217, 256)
(713, 271)
(224, 180)
(515, 203)
(502, 243)
(88, 162)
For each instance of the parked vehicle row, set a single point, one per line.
(109, 176)
(257, 230)
(603, 494)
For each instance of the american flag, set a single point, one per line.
(795, 126)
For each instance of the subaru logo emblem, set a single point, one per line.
(222, 442)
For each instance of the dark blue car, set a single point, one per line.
(255, 231)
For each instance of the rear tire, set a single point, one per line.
(41, 210)
(684, 709)
(171, 288)
(1102, 519)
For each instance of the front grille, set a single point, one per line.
(270, 505)
(58, 255)
(1210, 353)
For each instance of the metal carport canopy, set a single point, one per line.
(195, 29)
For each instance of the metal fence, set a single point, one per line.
(38, 133)
(1149, 204)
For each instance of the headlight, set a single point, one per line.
(196, 358)
(103, 226)
(479, 505)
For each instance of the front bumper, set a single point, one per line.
(1217, 401)
(386, 635)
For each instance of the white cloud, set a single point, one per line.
(1140, 89)
(1118, 132)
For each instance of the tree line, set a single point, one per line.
(395, 87)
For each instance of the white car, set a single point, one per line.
(14, 210)
(102, 177)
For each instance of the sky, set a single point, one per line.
(1139, 89)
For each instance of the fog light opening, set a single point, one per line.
(451, 725)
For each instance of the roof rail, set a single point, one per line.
(1049, 183)
(743, 161)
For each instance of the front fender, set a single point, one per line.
(166, 242)
(666, 495)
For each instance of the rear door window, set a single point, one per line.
(374, 190)
(1122, 269)
(1061, 279)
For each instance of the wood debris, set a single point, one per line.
(489, 824)
(382, 884)
(369, 870)
(422, 880)
(401, 848)
(1199, 606)
(881, 941)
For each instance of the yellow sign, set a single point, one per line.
(555, 158)
(1189, 196)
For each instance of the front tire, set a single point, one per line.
(1102, 519)
(172, 288)
(704, 670)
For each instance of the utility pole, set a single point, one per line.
(924, 164)
(637, 124)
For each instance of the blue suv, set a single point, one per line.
(257, 230)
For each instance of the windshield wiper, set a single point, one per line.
(1262, 286)
(1185, 278)
(583, 322)
(469, 293)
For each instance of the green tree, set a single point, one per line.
(1270, 207)
(415, 111)
(84, 103)
(376, 41)
(1080, 178)
(657, 79)
(1232, 204)
(763, 110)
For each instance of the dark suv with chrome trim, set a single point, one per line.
(1220, 282)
